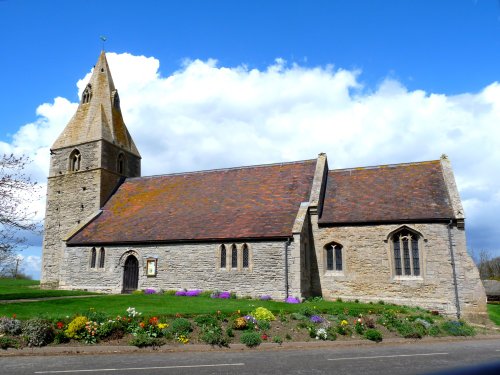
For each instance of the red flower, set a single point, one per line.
(60, 325)
(141, 324)
(14, 316)
(263, 337)
(153, 321)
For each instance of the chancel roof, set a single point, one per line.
(392, 193)
(247, 203)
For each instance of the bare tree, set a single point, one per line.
(489, 267)
(17, 191)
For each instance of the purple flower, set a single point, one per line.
(292, 300)
(214, 295)
(316, 319)
(225, 295)
(250, 318)
(265, 297)
(193, 293)
(149, 291)
(180, 293)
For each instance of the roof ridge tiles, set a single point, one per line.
(223, 169)
(381, 166)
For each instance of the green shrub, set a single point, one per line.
(277, 340)
(298, 316)
(96, 316)
(37, 332)
(229, 332)
(8, 342)
(359, 328)
(434, 330)
(331, 333)
(373, 335)
(307, 311)
(138, 292)
(250, 339)
(288, 337)
(170, 292)
(458, 328)
(60, 338)
(206, 320)
(264, 325)
(410, 330)
(10, 326)
(144, 340)
(213, 335)
(181, 326)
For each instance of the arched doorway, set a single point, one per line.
(130, 274)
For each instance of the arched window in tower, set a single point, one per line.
(405, 245)
(115, 99)
(87, 94)
(101, 257)
(120, 167)
(75, 159)
(93, 257)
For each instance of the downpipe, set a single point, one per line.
(287, 244)
(452, 256)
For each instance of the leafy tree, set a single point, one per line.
(17, 192)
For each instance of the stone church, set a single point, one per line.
(393, 232)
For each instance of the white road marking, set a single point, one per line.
(139, 368)
(387, 356)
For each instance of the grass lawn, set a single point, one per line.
(160, 304)
(23, 289)
(494, 312)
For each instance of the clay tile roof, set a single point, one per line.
(394, 193)
(247, 202)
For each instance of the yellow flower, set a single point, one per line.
(344, 323)
(162, 325)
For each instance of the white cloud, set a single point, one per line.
(206, 116)
(31, 265)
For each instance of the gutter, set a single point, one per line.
(452, 257)
(287, 243)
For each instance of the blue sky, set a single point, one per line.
(414, 54)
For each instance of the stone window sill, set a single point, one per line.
(408, 278)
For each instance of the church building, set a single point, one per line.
(394, 232)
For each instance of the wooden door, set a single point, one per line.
(130, 274)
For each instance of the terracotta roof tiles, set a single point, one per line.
(248, 202)
(393, 193)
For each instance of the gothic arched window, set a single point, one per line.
(406, 253)
(93, 257)
(333, 257)
(234, 256)
(87, 94)
(101, 257)
(75, 159)
(246, 256)
(223, 256)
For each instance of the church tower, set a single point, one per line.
(88, 160)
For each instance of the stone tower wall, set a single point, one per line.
(74, 196)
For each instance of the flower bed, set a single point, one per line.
(303, 323)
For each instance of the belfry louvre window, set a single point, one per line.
(120, 164)
(333, 254)
(101, 257)
(93, 257)
(87, 94)
(223, 256)
(406, 253)
(234, 257)
(75, 159)
(245, 256)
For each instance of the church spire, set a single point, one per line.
(98, 116)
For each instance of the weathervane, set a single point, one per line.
(103, 39)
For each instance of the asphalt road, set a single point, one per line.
(415, 358)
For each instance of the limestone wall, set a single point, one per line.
(190, 266)
(368, 272)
